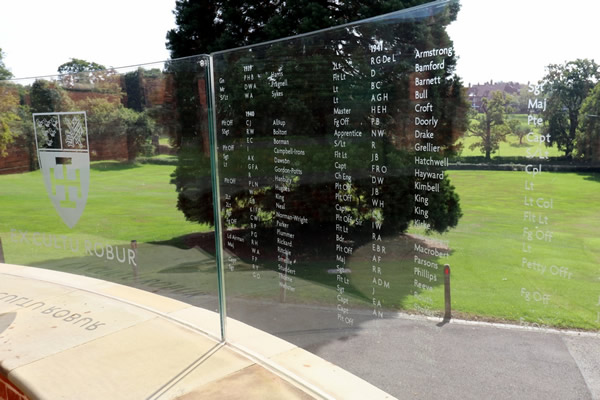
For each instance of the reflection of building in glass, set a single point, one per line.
(478, 92)
(142, 90)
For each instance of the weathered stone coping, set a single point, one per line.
(64, 336)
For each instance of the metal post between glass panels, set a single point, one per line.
(216, 201)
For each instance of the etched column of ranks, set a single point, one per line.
(536, 224)
(429, 163)
(249, 79)
(229, 183)
(283, 160)
(343, 193)
(379, 99)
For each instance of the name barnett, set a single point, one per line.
(67, 243)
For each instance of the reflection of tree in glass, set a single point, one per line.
(9, 105)
(588, 138)
(82, 75)
(306, 64)
(184, 118)
(489, 124)
(566, 85)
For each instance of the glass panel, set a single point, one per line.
(372, 208)
(102, 172)
(350, 194)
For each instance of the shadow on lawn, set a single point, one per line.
(592, 176)
(202, 240)
(109, 166)
(519, 145)
(315, 261)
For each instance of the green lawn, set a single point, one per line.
(488, 273)
(489, 279)
(510, 147)
(126, 202)
(164, 141)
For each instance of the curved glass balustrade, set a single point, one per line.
(371, 206)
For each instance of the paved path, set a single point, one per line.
(417, 358)
(143, 346)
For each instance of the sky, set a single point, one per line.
(513, 40)
(500, 40)
(37, 36)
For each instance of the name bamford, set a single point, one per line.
(431, 66)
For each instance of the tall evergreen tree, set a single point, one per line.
(205, 26)
(308, 75)
(567, 86)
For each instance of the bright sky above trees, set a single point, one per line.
(499, 40)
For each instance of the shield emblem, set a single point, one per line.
(63, 153)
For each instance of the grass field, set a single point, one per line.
(126, 202)
(510, 147)
(488, 273)
(489, 279)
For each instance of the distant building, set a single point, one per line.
(476, 93)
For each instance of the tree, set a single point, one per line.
(76, 65)
(26, 130)
(133, 82)
(197, 28)
(205, 26)
(110, 119)
(308, 75)
(566, 85)
(8, 107)
(9, 104)
(88, 75)
(49, 97)
(588, 136)
(518, 129)
(4, 72)
(488, 125)
(140, 128)
(104, 118)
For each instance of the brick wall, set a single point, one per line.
(17, 159)
(79, 95)
(8, 391)
(111, 148)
